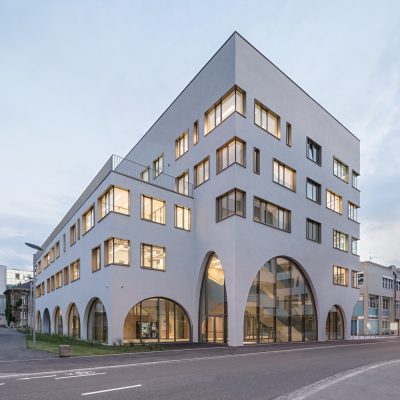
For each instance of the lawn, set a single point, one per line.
(50, 343)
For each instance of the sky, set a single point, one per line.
(81, 80)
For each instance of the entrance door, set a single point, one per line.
(216, 329)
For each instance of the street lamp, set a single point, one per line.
(38, 248)
(395, 300)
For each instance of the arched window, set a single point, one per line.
(46, 327)
(38, 322)
(213, 315)
(58, 322)
(334, 324)
(97, 322)
(74, 323)
(280, 305)
(156, 320)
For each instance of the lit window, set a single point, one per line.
(313, 191)
(353, 211)
(202, 172)
(39, 267)
(182, 145)
(52, 283)
(334, 201)
(96, 259)
(314, 151)
(313, 231)
(232, 152)
(272, 215)
(288, 134)
(117, 251)
(231, 203)
(72, 235)
(284, 175)
(267, 120)
(182, 183)
(158, 165)
(340, 240)
(74, 271)
(340, 170)
(66, 275)
(196, 132)
(88, 220)
(58, 279)
(57, 249)
(153, 257)
(114, 200)
(182, 217)
(145, 175)
(153, 209)
(340, 276)
(52, 255)
(231, 102)
(355, 179)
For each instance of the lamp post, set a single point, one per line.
(395, 300)
(38, 248)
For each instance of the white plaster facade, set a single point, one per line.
(241, 244)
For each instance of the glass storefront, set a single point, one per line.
(280, 306)
(156, 320)
(97, 322)
(74, 324)
(334, 324)
(58, 323)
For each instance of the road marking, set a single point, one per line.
(111, 390)
(171, 361)
(1, 384)
(36, 377)
(316, 387)
(80, 375)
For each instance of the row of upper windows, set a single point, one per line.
(118, 200)
(341, 277)
(267, 213)
(388, 283)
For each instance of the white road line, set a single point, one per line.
(36, 377)
(79, 376)
(179, 360)
(316, 387)
(111, 390)
(1, 384)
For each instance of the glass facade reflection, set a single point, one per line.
(58, 322)
(334, 324)
(280, 306)
(213, 316)
(74, 323)
(97, 322)
(156, 320)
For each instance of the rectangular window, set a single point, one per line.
(96, 259)
(52, 255)
(233, 101)
(340, 170)
(354, 246)
(360, 279)
(153, 209)
(78, 228)
(72, 235)
(153, 257)
(117, 251)
(74, 271)
(340, 240)
(182, 183)
(64, 243)
(59, 279)
(314, 151)
(57, 249)
(231, 152)
(385, 303)
(334, 201)
(313, 230)
(388, 283)
(202, 172)
(267, 119)
(373, 302)
(284, 175)
(182, 217)
(158, 165)
(39, 267)
(355, 180)
(88, 220)
(145, 175)
(66, 275)
(340, 276)
(288, 134)
(272, 215)
(353, 211)
(231, 203)
(181, 145)
(354, 279)
(313, 191)
(256, 160)
(48, 285)
(52, 283)
(114, 200)
(196, 132)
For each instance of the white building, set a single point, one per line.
(232, 220)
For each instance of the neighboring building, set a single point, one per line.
(19, 297)
(17, 276)
(234, 219)
(377, 310)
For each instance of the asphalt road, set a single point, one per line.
(336, 370)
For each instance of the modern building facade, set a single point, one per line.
(233, 220)
(377, 311)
